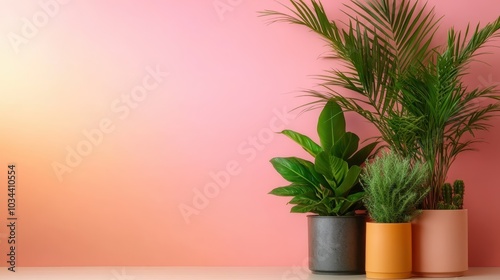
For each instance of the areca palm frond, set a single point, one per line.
(449, 109)
(409, 90)
(382, 39)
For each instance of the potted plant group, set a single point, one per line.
(394, 187)
(410, 88)
(329, 187)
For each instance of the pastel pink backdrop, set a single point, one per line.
(230, 80)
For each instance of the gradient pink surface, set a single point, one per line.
(148, 144)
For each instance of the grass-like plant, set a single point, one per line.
(394, 186)
(411, 91)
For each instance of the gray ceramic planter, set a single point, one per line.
(337, 244)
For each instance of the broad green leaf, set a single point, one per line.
(326, 192)
(362, 154)
(325, 205)
(338, 206)
(350, 201)
(321, 209)
(332, 184)
(301, 208)
(346, 145)
(321, 179)
(332, 167)
(291, 190)
(350, 180)
(295, 170)
(304, 141)
(308, 198)
(331, 125)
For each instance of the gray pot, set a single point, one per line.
(337, 244)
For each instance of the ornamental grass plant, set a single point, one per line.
(394, 186)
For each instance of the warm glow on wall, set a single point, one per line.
(142, 132)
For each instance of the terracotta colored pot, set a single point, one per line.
(440, 247)
(388, 250)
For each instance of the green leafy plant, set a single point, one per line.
(411, 91)
(330, 186)
(394, 186)
(452, 198)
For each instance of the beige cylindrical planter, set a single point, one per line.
(440, 243)
(388, 250)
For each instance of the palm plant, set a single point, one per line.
(411, 91)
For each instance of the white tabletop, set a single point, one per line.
(197, 273)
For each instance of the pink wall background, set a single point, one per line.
(209, 121)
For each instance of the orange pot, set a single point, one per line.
(388, 250)
(440, 247)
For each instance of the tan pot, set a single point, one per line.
(440, 243)
(388, 250)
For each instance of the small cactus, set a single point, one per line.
(452, 198)
(458, 194)
(447, 194)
